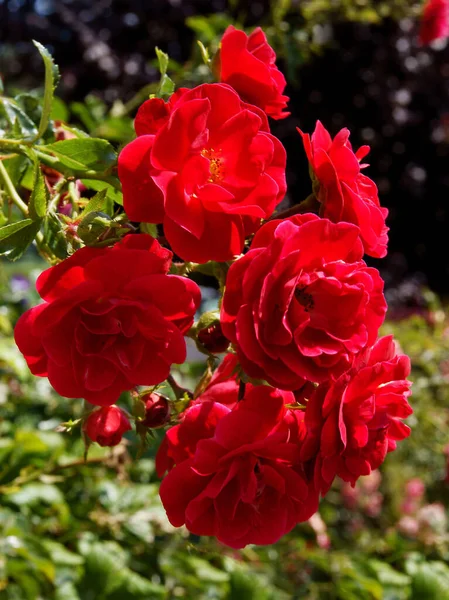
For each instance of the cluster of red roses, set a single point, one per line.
(302, 310)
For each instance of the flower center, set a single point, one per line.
(306, 300)
(216, 169)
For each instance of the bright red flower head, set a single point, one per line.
(243, 483)
(353, 422)
(199, 419)
(112, 319)
(344, 192)
(209, 174)
(247, 63)
(434, 22)
(301, 304)
(106, 425)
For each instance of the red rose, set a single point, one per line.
(301, 304)
(353, 422)
(247, 63)
(209, 174)
(157, 410)
(154, 113)
(112, 319)
(199, 419)
(434, 22)
(345, 194)
(243, 484)
(106, 425)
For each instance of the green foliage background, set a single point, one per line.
(72, 529)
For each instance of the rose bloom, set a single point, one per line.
(201, 416)
(111, 319)
(301, 304)
(209, 173)
(106, 425)
(242, 482)
(353, 422)
(434, 22)
(247, 63)
(344, 192)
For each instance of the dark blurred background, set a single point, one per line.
(358, 65)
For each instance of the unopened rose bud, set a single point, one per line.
(212, 339)
(106, 425)
(157, 410)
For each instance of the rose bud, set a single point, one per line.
(212, 338)
(106, 425)
(157, 410)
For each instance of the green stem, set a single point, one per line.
(177, 389)
(17, 200)
(310, 204)
(11, 190)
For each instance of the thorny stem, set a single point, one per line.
(177, 389)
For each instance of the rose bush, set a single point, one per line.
(301, 304)
(305, 392)
(111, 319)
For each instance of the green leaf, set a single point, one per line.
(133, 586)
(162, 59)
(84, 154)
(93, 226)
(246, 586)
(59, 110)
(66, 591)
(55, 237)
(204, 52)
(150, 228)
(97, 185)
(16, 237)
(431, 582)
(16, 168)
(97, 204)
(37, 206)
(387, 575)
(21, 124)
(167, 86)
(33, 493)
(51, 81)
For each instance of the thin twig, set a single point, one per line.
(177, 389)
(11, 190)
